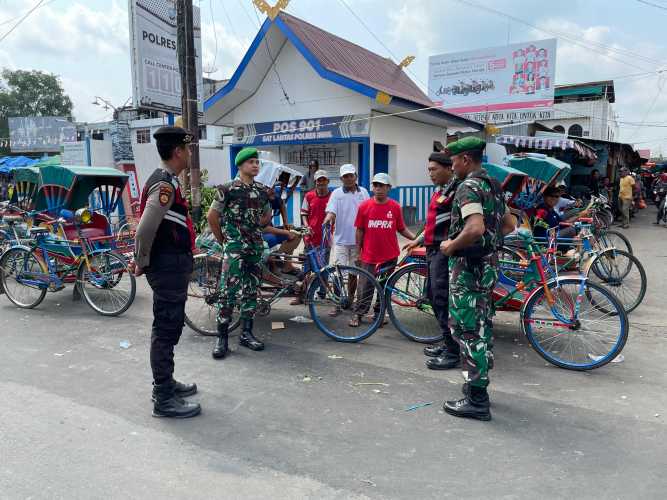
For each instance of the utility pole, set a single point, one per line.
(187, 58)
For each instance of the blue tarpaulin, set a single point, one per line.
(9, 163)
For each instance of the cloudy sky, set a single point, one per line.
(86, 43)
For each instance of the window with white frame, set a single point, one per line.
(143, 136)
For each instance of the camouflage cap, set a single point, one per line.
(465, 144)
(245, 154)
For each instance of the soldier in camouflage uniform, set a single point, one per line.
(479, 221)
(237, 218)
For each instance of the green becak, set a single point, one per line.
(245, 154)
(465, 144)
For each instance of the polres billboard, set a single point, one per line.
(40, 134)
(155, 74)
(498, 84)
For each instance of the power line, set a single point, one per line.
(273, 61)
(215, 35)
(25, 16)
(396, 59)
(15, 18)
(661, 85)
(653, 4)
(569, 38)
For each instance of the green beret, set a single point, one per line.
(245, 154)
(465, 144)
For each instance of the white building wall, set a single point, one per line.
(215, 161)
(414, 144)
(595, 117)
(101, 154)
(310, 96)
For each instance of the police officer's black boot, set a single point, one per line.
(446, 361)
(475, 404)
(168, 404)
(222, 343)
(435, 350)
(180, 389)
(247, 338)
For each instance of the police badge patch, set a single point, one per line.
(165, 195)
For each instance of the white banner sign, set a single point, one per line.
(155, 73)
(74, 153)
(510, 83)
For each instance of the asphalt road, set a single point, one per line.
(300, 420)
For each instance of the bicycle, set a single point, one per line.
(570, 321)
(50, 261)
(330, 291)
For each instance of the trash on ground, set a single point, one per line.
(301, 319)
(58, 354)
(656, 415)
(372, 383)
(335, 356)
(125, 344)
(418, 405)
(306, 379)
(277, 325)
(368, 482)
(526, 383)
(618, 359)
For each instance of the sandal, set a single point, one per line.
(354, 322)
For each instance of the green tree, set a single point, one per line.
(30, 93)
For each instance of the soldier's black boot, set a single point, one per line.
(475, 405)
(247, 338)
(168, 404)
(447, 361)
(222, 343)
(180, 389)
(435, 350)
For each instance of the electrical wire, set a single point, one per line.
(661, 85)
(7, 21)
(25, 16)
(588, 45)
(377, 39)
(215, 35)
(273, 61)
(653, 4)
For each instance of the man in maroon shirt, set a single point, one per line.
(313, 212)
(313, 208)
(378, 220)
(438, 216)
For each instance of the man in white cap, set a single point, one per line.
(378, 221)
(342, 211)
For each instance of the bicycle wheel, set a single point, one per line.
(337, 294)
(201, 308)
(623, 274)
(614, 239)
(106, 283)
(23, 279)
(575, 332)
(408, 305)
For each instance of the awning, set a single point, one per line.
(548, 143)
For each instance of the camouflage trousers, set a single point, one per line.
(239, 280)
(471, 282)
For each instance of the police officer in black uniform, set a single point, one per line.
(446, 355)
(163, 251)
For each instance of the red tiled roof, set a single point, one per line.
(355, 62)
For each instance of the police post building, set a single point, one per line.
(301, 93)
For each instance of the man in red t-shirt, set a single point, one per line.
(378, 220)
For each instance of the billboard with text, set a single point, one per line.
(39, 134)
(155, 72)
(509, 83)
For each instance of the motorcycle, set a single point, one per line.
(659, 192)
